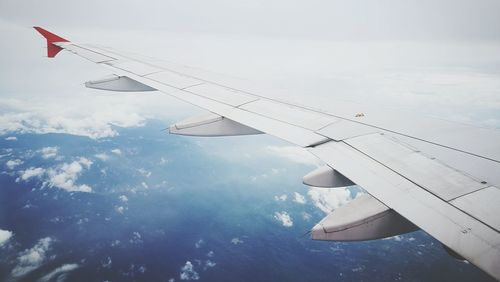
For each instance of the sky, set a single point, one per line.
(385, 19)
(439, 58)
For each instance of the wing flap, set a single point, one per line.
(221, 94)
(173, 79)
(137, 68)
(90, 55)
(288, 132)
(430, 174)
(483, 205)
(344, 129)
(290, 114)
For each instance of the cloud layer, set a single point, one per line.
(5, 235)
(188, 272)
(60, 273)
(32, 258)
(11, 164)
(49, 152)
(284, 218)
(328, 200)
(63, 176)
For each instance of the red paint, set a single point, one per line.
(52, 49)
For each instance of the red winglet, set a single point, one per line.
(52, 49)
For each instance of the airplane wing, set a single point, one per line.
(439, 176)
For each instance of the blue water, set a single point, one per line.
(195, 203)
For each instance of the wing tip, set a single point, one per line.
(51, 38)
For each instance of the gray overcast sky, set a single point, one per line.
(440, 58)
(369, 19)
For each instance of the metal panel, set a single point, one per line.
(174, 79)
(437, 178)
(87, 54)
(474, 140)
(222, 94)
(344, 129)
(483, 205)
(480, 168)
(285, 131)
(470, 238)
(134, 67)
(293, 134)
(289, 114)
(196, 100)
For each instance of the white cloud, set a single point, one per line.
(37, 116)
(294, 154)
(199, 243)
(106, 263)
(277, 170)
(60, 273)
(11, 138)
(329, 199)
(210, 264)
(120, 209)
(210, 254)
(123, 198)
(236, 241)
(281, 198)
(11, 164)
(33, 258)
(102, 156)
(142, 269)
(5, 235)
(397, 238)
(284, 218)
(144, 173)
(306, 216)
(188, 272)
(116, 151)
(163, 161)
(32, 172)
(136, 238)
(86, 162)
(65, 176)
(299, 198)
(49, 152)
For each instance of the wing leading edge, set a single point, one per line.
(440, 176)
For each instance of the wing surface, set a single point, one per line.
(441, 176)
